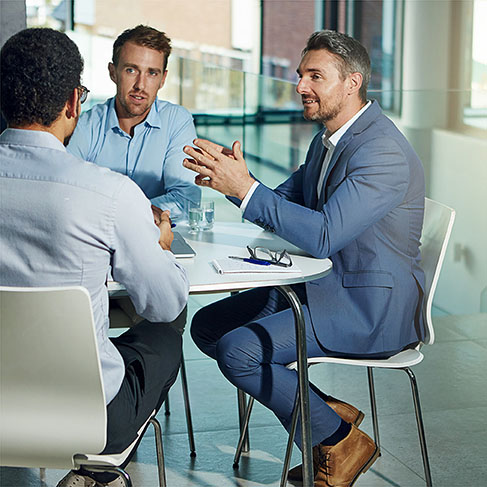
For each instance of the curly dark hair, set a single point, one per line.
(145, 36)
(40, 69)
(352, 56)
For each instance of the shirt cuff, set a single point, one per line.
(249, 194)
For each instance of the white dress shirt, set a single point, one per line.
(330, 141)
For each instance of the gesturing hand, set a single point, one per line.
(219, 168)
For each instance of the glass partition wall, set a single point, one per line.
(447, 127)
(265, 114)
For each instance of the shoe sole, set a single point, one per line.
(369, 463)
(359, 419)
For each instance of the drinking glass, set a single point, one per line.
(194, 216)
(207, 215)
(201, 217)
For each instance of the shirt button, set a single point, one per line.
(131, 172)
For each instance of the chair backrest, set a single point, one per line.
(52, 402)
(437, 226)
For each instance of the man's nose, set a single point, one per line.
(139, 82)
(301, 87)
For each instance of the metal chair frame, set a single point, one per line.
(437, 229)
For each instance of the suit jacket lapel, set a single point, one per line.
(360, 124)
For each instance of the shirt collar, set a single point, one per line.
(331, 141)
(35, 138)
(153, 119)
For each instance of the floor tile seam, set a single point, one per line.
(462, 340)
(420, 476)
(197, 431)
(200, 359)
(425, 411)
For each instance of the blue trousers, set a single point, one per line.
(252, 337)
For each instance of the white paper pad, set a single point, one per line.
(232, 266)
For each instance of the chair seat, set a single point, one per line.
(115, 459)
(406, 358)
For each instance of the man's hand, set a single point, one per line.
(162, 220)
(219, 168)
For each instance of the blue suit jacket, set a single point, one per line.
(368, 222)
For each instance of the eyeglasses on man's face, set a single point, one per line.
(276, 257)
(83, 93)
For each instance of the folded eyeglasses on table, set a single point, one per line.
(275, 257)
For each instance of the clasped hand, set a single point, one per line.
(162, 220)
(219, 168)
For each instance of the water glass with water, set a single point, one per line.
(201, 217)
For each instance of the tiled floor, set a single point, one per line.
(453, 392)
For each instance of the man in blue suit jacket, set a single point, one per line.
(358, 199)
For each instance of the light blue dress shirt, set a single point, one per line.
(153, 157)
(64, 222)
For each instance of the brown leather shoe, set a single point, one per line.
(341, 464)
(348, 413)
(296, 473)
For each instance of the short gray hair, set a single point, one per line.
(352, 56)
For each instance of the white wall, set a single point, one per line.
(455, 163)
(458, 177)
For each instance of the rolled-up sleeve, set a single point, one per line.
(156, 283)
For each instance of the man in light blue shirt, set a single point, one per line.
(66, 222)
(136, 134)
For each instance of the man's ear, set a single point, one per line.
(163, 80)
(354, 83)
(73, 105)
(113, 72)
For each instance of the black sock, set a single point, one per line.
(339, 434)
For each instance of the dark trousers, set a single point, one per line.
(152, 356)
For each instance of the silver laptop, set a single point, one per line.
(180, 248)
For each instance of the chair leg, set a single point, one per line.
(373, 406)
(420, 424)
(290, 442)
(244, 429)
(167, 410)
(160, 452)
(242, 411)
(187, 408)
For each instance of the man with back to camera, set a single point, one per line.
(65, 222)
(359, 200)
(137, 134)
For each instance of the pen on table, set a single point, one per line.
(250, 261)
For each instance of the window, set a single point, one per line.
(475, 113)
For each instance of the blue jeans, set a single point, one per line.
(252, 337)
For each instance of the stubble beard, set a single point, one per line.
(324, 114)
(139, 111)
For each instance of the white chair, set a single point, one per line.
(437, 227)
(52, 402)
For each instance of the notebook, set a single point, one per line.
(180, 248)
(230, 266)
